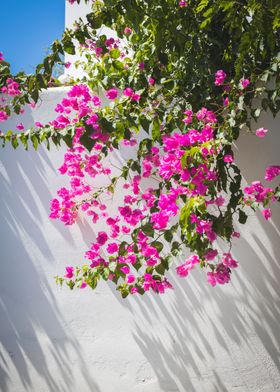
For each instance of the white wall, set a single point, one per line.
(72, 13)
(75, 11)
(195, 338)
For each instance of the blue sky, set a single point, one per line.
(27, 29)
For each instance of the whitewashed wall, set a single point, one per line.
(194, 338)
(74, 12)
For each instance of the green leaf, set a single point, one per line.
(145, 124)
(137, 266)
(148, 229)
(118, 65)
(115, 53)
(175, 249)
(85, 139)
(168, 235)
(94, 20)
(35, 141)
(160, 269)
(105, 273)
(92, 282)
(156, 133)
(158, 245)
(68, 45)
(202, 4)
(242, 217)
(14, 142)
(122, 248)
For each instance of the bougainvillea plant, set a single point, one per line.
(173, 84)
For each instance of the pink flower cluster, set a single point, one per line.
(101, 48)
(220, 276)
(126, 262)
(128, 92)
(127, 30)
(3, 116)
(12, 88)
(128, 250)
(112, 94)
(183, 270)
(78, 164)
(257, 192)
(203, 227)
(220, 273)
(271, 172)
(261, 132)
(245, 82)
(220, 77)
(261, 195)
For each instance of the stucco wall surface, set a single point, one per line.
(194, 338)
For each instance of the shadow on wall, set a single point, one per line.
(30, 319)
(194, 337)
(216, 339)
(224, 338)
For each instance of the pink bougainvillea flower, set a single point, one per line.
(127, 30)
(225, 101)
(182, 3)
(261, 132)
(220, 200)
(69, 272)
(220, 77)
(126, 229)
(83, 285)
(125, 269)
(245, 82)
(112, 248)
(211, 254)
(128, 92)
(1, 56)
(222, 274)
(189, 116)
(102, 238)
(141, 65)
(130, 278)
(229, 261)
(3, 116)
(135, 97)
(211, 278)
(67, 65)
(183, 270)
(96, 100)
(159, 220)
(228, 158)
(112, 93)
(271, 172)
(38, 124)
(266, 213)
(20, 127)
(151, 81)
